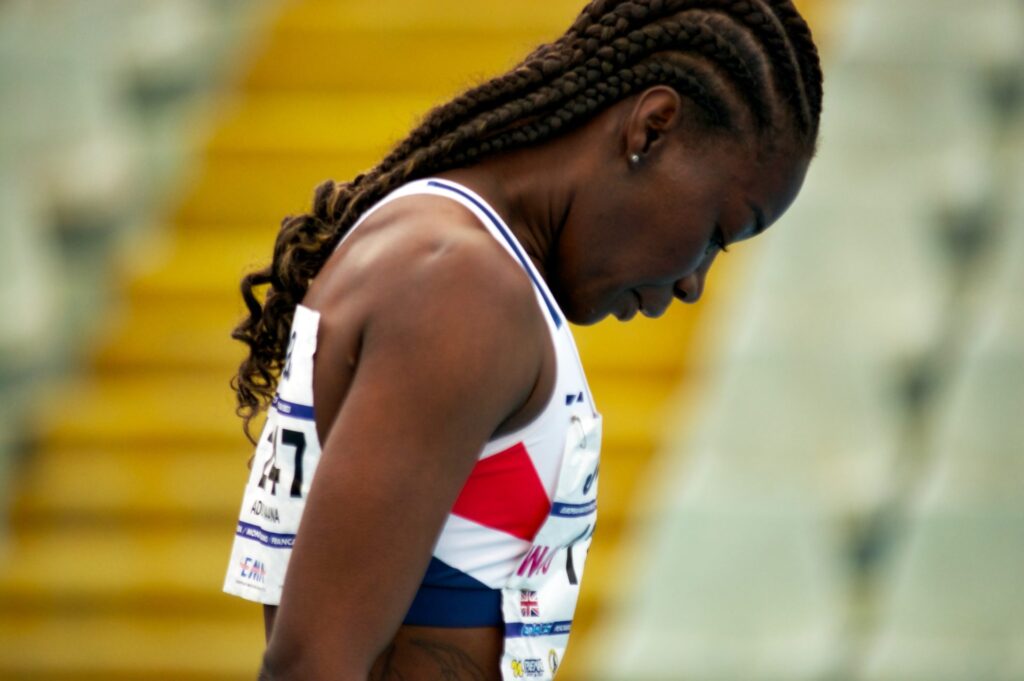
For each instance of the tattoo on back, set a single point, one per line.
(384, 669)
(426, 659)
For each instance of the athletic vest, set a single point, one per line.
(512, 549)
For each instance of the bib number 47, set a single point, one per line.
(271, 472)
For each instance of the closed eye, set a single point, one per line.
(717, 241)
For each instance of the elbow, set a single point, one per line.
(266, 674)
(273, 668)
(287, 665)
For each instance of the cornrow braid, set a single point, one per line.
(697, 36)
(764, 18)
(728, 57)
(769, 20)
(539, 67)
(806, 53)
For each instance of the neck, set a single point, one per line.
(532, 190)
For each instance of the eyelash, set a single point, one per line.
(717, 241)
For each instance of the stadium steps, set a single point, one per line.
(127, 646)
(243, 189)
(123, 522)
(133, 409)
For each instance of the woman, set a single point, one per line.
(453, 439)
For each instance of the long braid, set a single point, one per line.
(720, 54)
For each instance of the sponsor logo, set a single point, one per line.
(253, 570)
(573, 398)
(553, 660)
(546, 629)
(520, 629)
(538, 559)
(528, 605)
(265, 511)
(533, 667)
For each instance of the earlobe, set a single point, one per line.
(636, 158)
(655, 112)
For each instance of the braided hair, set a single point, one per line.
(730, 57)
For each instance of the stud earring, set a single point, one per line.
(634, 160)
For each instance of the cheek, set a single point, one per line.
(671, 247)
(581, 284)
(591, 271)
(590, 240)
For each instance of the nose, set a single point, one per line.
(690, 288)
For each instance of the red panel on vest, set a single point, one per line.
(505, 493)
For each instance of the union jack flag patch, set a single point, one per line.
(528, 605)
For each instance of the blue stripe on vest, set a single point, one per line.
(509, 240)
(272, 539)
(573, 510)
(296, 411)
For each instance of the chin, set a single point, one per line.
(586, 320)
(578, 307)
(583, 315)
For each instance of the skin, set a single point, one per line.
(610, 238)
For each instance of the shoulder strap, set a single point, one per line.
(494, 224)
(497, 227)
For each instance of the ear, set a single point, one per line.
(656, 112)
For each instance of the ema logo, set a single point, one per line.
(253, 570)
(528, 604)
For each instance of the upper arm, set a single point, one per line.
(450, 350)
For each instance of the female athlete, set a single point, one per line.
(428, 419)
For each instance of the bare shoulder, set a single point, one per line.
(423, 255)
(424, 287)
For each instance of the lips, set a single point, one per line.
(631, 306)
(651, 312)
(647, 309)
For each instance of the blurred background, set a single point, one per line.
(816, 473)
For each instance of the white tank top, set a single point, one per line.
(488, 538)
